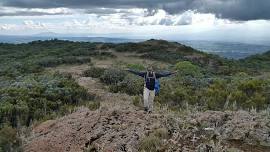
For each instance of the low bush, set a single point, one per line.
(54, 61)
(246, 94)
(137, 101)
(113, 76)
(131, 85)
(9, 141)
(75, 60)
(35, 96)
(94, 72)
(216, 95)
(83, 52)
(259, 62)
(186, 68)
(49, 61)
(253, 93)
(180, 90)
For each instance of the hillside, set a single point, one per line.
(259, 61)
(168, 52)
(77, 96)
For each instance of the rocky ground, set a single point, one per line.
(118, 125)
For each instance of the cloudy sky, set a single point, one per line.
(228, 20)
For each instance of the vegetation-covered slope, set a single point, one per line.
(174, 52)
(259, 62)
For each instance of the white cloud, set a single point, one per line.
(160, 17)
(34, 25)
(13, 11)
(7, 26)
(54, 10)
(143, 17)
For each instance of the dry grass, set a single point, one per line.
(150, 144)
(94, 105)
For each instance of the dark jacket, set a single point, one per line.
(150, 81)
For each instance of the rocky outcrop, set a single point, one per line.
(99, 130)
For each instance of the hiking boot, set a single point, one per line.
(145, 109)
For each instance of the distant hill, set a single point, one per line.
(49, 36)
(230, 50)
(258, 62)
(173, 52)
(161, 50)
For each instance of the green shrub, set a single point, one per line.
(49, 61)
(94, 72)
(247, 93)
(251, 86)
(137, 101)
(35, 96)
(239, 97)
(9, 141)
(54, 61)
(131, 85)
(83, 52)
(254, 93)
(75, 60)
(259, 62)
(113, 76)
(216, 95)
(187, 68)
(178, 91)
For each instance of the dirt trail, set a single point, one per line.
(117, 126)
(117, 101)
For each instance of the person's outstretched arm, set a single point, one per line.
(165, 74)
(141, 74)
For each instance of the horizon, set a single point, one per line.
(230, 50)
(66, 36)
(172, 20)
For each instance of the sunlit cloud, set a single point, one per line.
(13, 11)
(134, 22)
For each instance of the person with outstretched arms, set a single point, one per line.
(151, 85)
